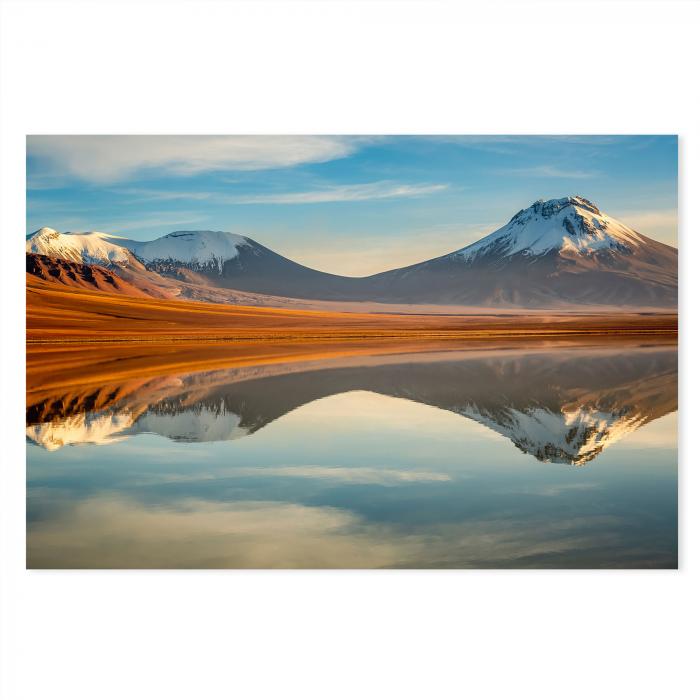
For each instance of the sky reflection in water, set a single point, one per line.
(507, 458)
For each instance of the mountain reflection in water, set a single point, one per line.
(564, 406)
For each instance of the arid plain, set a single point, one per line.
(75, 334)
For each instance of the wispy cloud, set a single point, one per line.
(332, 193)
(342, 193)
(147, 195)
(113, 158)
(503, 144)
(549, 171)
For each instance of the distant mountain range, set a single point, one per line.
(560, 253)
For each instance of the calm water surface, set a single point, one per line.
(506, 458)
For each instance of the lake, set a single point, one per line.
(488, 457)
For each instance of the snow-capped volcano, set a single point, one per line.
(570, 224)
(559, 253)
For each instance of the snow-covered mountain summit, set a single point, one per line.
(570, 224)
(91, 247)
(192, 248)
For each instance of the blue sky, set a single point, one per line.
(350, 205)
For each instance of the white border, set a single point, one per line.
(355, 67)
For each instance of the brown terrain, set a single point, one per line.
(131, 279)
(75, 275)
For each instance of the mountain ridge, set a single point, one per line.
(554, 253)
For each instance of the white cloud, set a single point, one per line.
(342, 193)
(112, 158)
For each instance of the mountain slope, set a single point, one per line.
(230, 261)
(93, 255)
(80, 275)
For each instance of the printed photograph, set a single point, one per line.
(352, 352)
